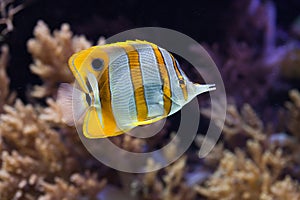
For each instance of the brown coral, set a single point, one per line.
(5, 96)
(51, 54)
(32, 151)
(285, 189)
(256, 172)
(7, 12)
(25, 131)
(78, 188)
(242, 177)
(246, 122)
(172, 186)
(39, 154)
(293, 119)
(4, 85)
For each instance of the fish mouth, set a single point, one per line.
(211, 87)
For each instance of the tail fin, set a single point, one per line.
(69, 97)
(204, 88)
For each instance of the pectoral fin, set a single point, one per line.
(69, 98)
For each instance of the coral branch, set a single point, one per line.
(293, 119)
(7, 12)
(33, 154)
(241, 177)
(51, 53)
(4, 80)
(246, 122)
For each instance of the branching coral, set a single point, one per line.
(52, 113)
(23, 130)
(4, 85)
(213, 158)
(18, 176)
(172, 185)
(246, 122)
(257, 171)
(293, 119)
(7, 12)
(243, 177)
(78, 188)
(51, 54)
(285, 189)
(40, 155)
(256, 174)
(30, 147)
(129, 143)
(5, 96)
(176, 187)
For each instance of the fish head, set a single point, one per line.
(90, 61)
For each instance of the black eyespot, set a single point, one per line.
(181, 82)
(97, 64)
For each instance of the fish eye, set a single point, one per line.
(97, 64)
(181, 82)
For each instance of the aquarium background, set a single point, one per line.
(254, 43)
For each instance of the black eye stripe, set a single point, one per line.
(89, 85)
(88, 99)
(97, 64)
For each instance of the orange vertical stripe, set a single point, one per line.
(165, 79)
(137, 82)
(109, 122)
(180, 79)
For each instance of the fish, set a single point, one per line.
(124, 85)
